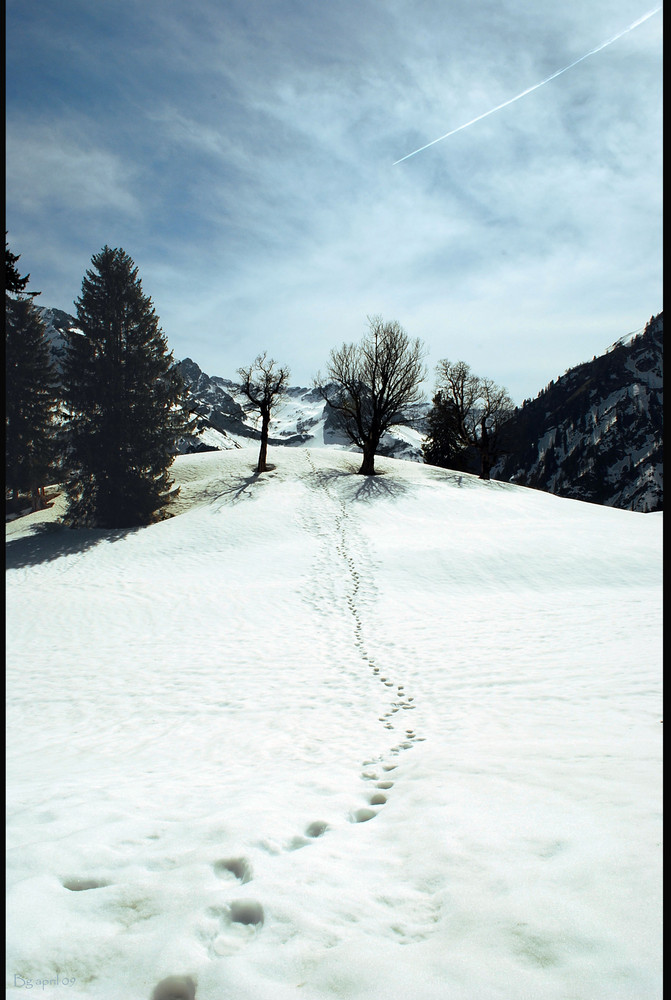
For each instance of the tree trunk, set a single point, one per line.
(368, 463)
(485, 460)
(36, 499)
(263, 452)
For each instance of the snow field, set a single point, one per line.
(324, 736)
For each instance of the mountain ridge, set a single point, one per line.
(596, 432)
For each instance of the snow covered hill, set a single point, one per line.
(323, 736)
(596, 433)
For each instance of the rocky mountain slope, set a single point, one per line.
(596, 433)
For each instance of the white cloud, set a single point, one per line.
(50, 167)
(244, 159)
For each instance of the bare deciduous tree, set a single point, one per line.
(476, 408)
(261, 382)
(370, 385)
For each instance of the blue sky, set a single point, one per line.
(243, 154)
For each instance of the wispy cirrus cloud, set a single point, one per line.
(242, 153)
(50, 167)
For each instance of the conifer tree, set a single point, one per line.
(443, 445)
(14, 283)
(30, 402)
(124, 397)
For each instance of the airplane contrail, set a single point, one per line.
(553, 76)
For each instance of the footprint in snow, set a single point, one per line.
(226, 927)
(362, 815)
(79, 884)
(316, 829)
(247, 912)
(365, 814)
(313, 830)
(239, 867)
(175, 988)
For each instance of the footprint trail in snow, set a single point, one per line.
(401, 701)
(229, 925)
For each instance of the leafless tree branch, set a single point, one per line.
(370, 385)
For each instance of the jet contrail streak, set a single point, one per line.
(547, 79)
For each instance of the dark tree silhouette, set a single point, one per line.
(443, 445)
(125, 400)
(261, 383)
(476, 409)
(371, 385)
(31, 398)
(14, 283)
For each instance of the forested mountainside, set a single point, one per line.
(596, 432)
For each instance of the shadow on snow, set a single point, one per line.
(51, 541)
(365, 489)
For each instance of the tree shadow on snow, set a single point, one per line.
(365, 489)
(465, 480)
(52, 541)
(378, 487)
(240, 489)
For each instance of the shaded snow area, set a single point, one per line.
(324, 736)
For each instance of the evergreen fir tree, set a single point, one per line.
(14, 283)
(123, 393)
(443, 445)
(31, 399)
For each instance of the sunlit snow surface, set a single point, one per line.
(199, 712)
